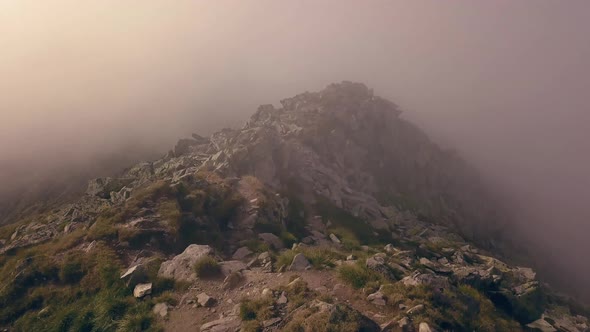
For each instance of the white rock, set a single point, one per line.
(142, 290)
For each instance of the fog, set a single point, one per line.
(504, 82)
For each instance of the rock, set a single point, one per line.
(181, 267)
(415, 310)
(161, 309)
(541, 325)
(271, 322)
(320, 305)
(264, 257)
(377, 264)
(226, 324)
(436, 267)
(142, 290)
(389, 248)
(229, 267)
(300, 263)
(271, 240)
(266, 292)
(334, 238)
(345, 313)
(417, 278)
(233, 280)
(205, 300)
(102, 187)
(242, 253)
(377, 298)
(282, 299)
(423, 327)
(134, 275)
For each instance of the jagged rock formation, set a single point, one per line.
(334, 175)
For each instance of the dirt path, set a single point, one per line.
(187, 317)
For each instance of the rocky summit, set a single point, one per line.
(330, 213)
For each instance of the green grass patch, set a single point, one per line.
(357, 275)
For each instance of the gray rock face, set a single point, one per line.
(300, 263)
(181, 267)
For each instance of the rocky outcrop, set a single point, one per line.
(182, 267)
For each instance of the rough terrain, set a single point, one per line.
(331, 213)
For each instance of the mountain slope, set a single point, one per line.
(361, 196)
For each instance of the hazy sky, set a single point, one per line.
(505, 82)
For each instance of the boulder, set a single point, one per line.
(377, 298)
(300, 263)
(142, 290)
(205, 300)
(242, 253)
(271, 240)
(181, 267)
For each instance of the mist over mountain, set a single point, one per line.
(88, 90)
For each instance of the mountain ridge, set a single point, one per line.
(333, 175)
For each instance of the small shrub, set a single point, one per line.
(285, 258)
(321, 257)
(71, 270)
(256, 309)
(103, 229)
(288, 239)
(207, 267)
